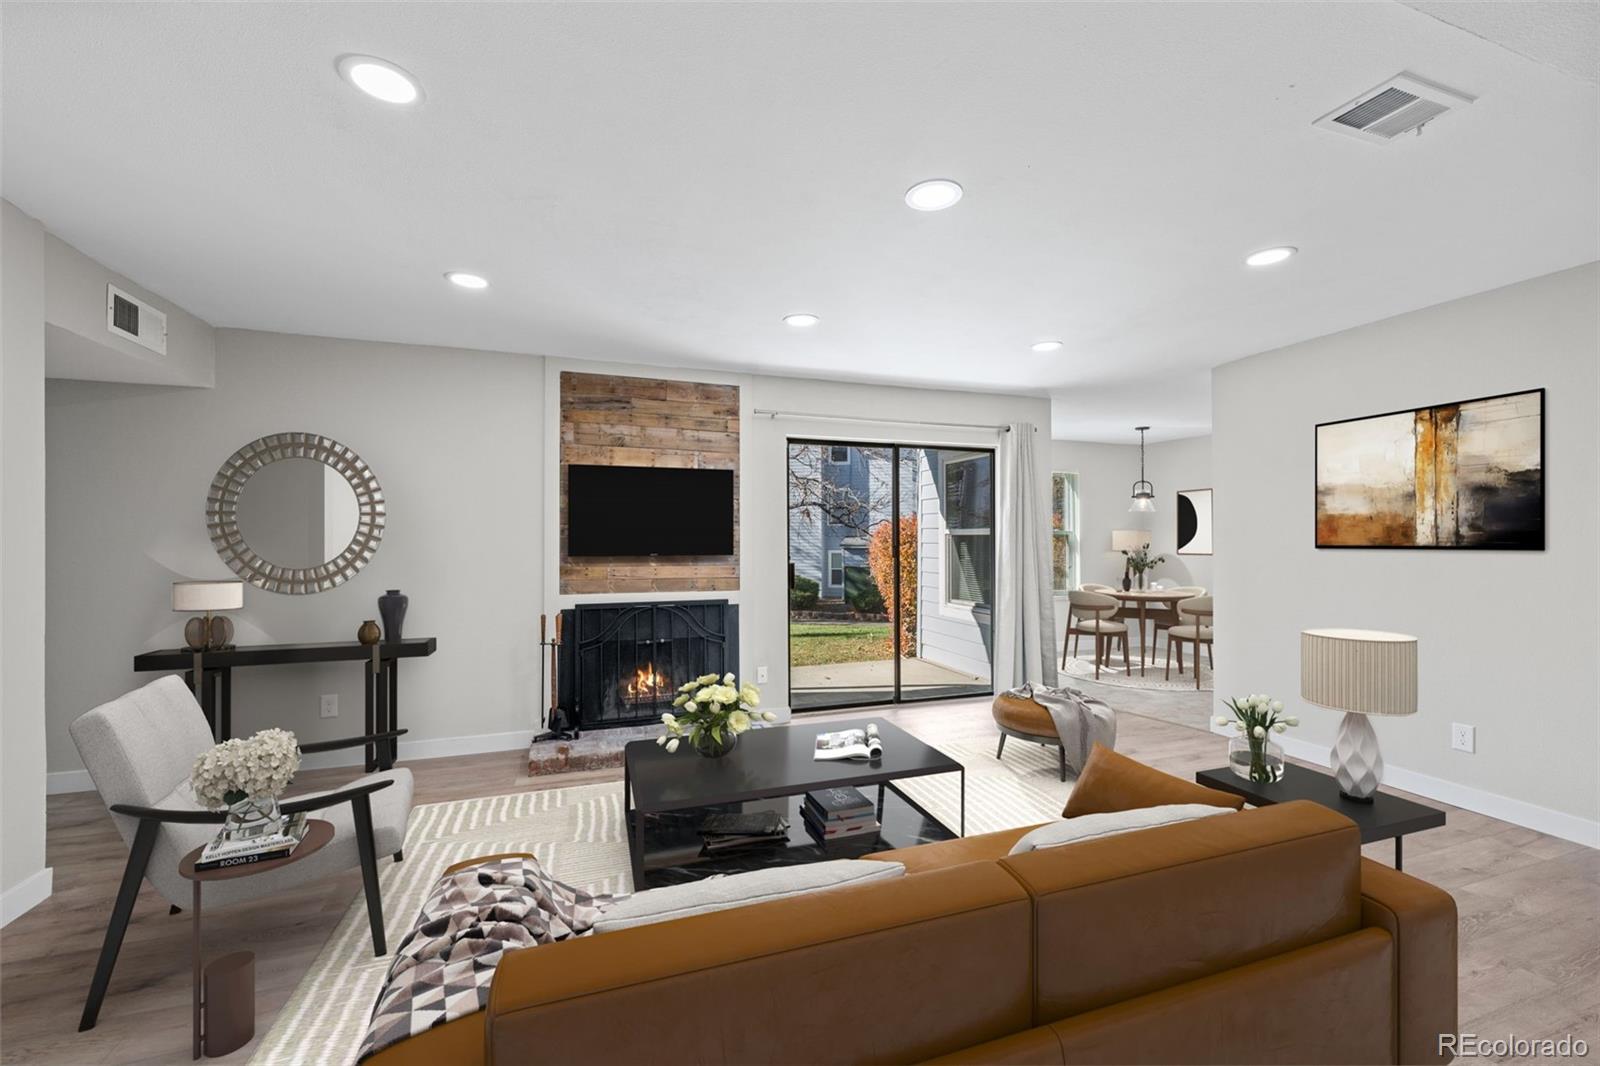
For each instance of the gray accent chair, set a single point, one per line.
(139, 750)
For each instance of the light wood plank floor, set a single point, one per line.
(1529, 903)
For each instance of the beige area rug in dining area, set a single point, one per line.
(1154, 678)
(577, 833)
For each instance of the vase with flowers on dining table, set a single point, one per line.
(1141, 562)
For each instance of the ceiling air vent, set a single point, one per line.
(130, 317)
(1403, 104)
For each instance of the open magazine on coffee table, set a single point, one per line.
(856, 745)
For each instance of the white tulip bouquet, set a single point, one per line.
(1256, 718)
(240, 769)
(712, 712)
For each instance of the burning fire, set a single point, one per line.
(648, 685)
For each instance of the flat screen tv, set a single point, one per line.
(645, 510)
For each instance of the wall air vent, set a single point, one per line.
(135, 320)
(1403, 104)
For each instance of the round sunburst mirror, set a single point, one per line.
(295, 513)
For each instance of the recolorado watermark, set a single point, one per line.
(1473, 1046)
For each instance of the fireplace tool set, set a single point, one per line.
(555, 717)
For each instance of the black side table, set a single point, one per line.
(1386, 816)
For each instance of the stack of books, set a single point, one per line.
(280, 845)
(835, 813)
(728, 831)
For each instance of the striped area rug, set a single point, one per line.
(577, 833)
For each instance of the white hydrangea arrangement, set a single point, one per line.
(714, 708)
(249, 768)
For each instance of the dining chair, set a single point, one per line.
(1091, 613)
(1165, 615)
(139, 750)
(1196, 632)
(1124, 611)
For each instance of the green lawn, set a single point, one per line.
(822, 643)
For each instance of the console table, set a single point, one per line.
(215, 690)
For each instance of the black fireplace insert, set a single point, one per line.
(621, 664)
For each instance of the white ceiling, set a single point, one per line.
(661, 182)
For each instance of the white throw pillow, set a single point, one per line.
(741, 890)
(1094, 826)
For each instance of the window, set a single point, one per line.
(1064, 532)
(835, 569)
(839, 454)
(969, 530)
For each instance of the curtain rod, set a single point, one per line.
(887, 421)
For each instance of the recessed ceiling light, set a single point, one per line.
(801, 320)
(467, 281)
(1047, 346)
(1268, 256)
(934, 195)
(380, 78)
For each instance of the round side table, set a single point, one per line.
(225, 1002)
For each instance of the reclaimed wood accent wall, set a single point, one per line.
(619, 421)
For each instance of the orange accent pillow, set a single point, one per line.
(1112, 782)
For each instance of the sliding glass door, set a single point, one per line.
(891, 573)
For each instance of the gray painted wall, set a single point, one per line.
(22, 558)
(455, 437)
(1528, 687)
(78, 344)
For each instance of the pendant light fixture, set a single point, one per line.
(1144, 493)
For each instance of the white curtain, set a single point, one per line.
(1024, 621)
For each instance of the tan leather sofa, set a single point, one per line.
(1260, 937)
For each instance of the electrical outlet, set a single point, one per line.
(330, 706)
(761, 675)
(1463, 737)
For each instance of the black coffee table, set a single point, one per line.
(667, 794)
(1386, 816)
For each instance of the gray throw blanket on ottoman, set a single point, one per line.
(472, 917)
(1081, 720)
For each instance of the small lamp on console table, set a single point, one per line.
(1360, 672)
(208, 633)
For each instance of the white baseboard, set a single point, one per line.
(1518, 812)
(438, 748)
(67, 781)
(25, 895)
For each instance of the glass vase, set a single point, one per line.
(1259, 761)
(712, 748)
(252, 817)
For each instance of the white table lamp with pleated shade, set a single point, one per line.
(1361, 672)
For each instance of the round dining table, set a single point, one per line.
(1143, 598)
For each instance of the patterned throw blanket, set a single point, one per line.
(472, 917)
(1081, 720)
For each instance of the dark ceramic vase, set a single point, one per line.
(1127, 582)
(392, 609)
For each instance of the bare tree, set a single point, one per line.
(812, 492)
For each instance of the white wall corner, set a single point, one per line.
(25, 895)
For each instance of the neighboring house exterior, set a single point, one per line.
(955, 559)
(838, 494)
(952, 493)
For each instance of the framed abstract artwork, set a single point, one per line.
(1457, 475)
(1194, 521)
